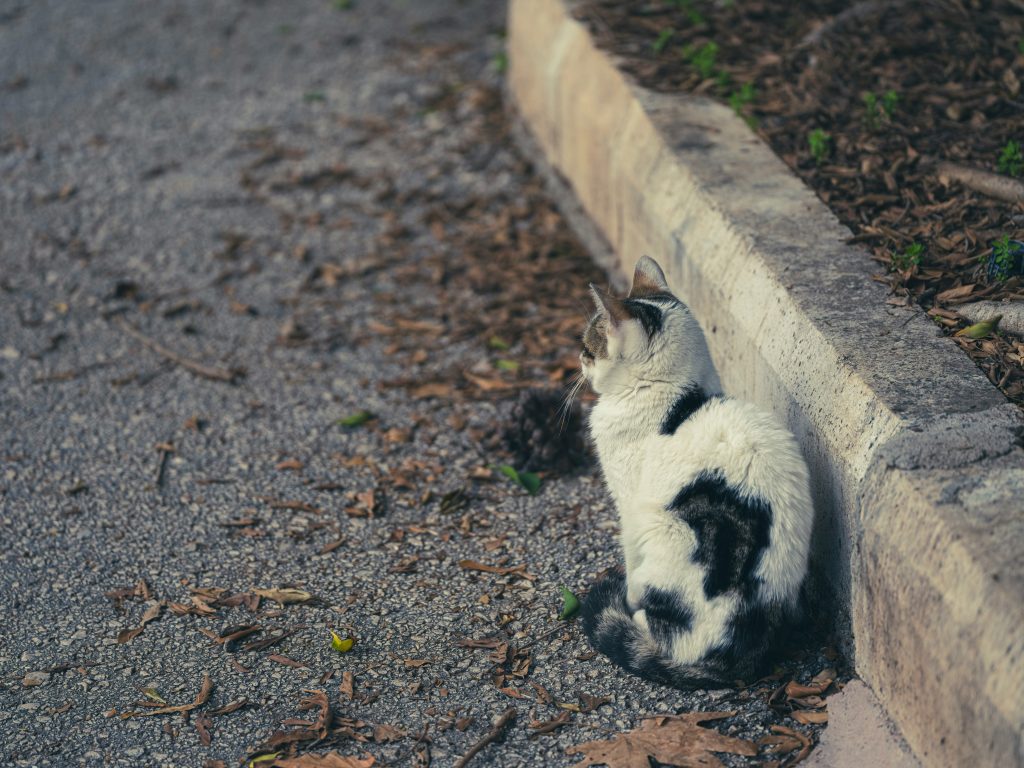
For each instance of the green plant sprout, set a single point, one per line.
(702, 59)
(1010, 159)
(740, 99)
(692, 15)
(870, 110)
(663, 37)
(1004, 257)
(911, 257)
(889, 101)
(818, 141)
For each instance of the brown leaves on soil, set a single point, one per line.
(677, 740)
(882, 171)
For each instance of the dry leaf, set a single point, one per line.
(347, 686)
(201, 698)
(678, 741)
(327, 760)
(285, 596)
(810, 717)
(386, 733)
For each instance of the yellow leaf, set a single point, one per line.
(982, 329)
(341, 645)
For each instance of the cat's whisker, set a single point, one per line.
(565, 410)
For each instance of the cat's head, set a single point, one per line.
(648, 337)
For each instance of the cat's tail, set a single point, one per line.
(609, 625)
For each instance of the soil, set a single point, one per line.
(888, 90)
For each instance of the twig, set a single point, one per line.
(992, 184)
(199, 369)
(493, 735)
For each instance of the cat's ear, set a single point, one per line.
(648, 279)
(609, 306)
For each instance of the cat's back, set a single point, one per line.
(738, 440)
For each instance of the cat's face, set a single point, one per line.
(642, 337)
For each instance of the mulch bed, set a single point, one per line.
(888, 91)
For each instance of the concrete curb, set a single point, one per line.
(916, 457)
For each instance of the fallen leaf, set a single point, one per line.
(809, 716)
(285, 660)
(431, 389)
(980, 330)
(415, 663)
(289, 464)
(589, 703)
(285, 596)
(498, 343)
(341, 645)
(385, 733)
(356, 419)
(152, 613)
(570, 605)
(347, 686)
(678, 741)
(528, 480)
(201, 698)
(507, 365)
(473, 565)
(151, 693)
(327, 760)
(955, 293)
(541, 727)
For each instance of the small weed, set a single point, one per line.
(818, 141)
(312, 96)
(1010, 159)
(343, 5)
(911, 257)
(1003, 261)
(870, 110)
(738, 100)
(692, 14)
(889, 101)
(500, 61)
(663, 37)
(1020, 46)
(703, 58)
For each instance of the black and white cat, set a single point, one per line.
(712, 493)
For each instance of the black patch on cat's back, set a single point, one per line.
(666, 614)
(689, 401)
(732, 531)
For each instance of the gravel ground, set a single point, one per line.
(265, 187)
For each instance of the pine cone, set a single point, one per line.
(540, 439)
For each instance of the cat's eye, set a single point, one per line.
(587, 355)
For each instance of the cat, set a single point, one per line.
(713, 497)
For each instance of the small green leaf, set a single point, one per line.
(982, 329)
(341, 645)
(356, 419)
(314, 96)
(570, 605)
(507, 365)
(527, 480)
(501, 61)
(663, 37)
(152, 695)
(498, 343)
(343, 5)
(268, 758)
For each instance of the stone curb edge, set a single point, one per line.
(917, 457)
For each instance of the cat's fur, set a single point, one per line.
(712, 493)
